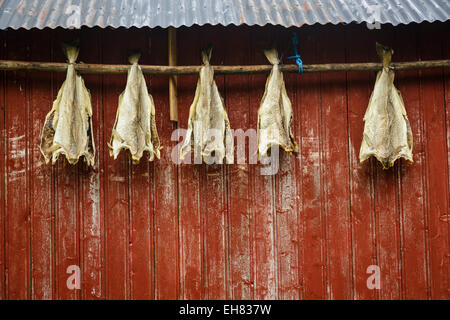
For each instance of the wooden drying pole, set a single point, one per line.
(173, 96)
(185, 70)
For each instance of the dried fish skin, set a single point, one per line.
(275, 112)
(135, 127)
(209, 132)
(387, 132)
(68, 126)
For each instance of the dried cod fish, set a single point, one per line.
(135, 127)
(68, 125)
(275, 112)
(209, 132)
(387, 133)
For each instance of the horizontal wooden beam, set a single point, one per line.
(173, 97)
(184, 70)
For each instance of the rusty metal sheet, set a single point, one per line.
(163, 13)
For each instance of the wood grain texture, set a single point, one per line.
(415, 271)
(239, 187)
(165, 182)
(263, 188)
(336, 169)
(286, 200)
(67, 201)
(387, 215)
(141, 209)
(215, 202)
(92, 213)
(191, 228)
(2, 174)
(172, 51)
(116, 179)
(165, 231)
(446, 51)
(312, 204)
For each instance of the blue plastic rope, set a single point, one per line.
(298, 61)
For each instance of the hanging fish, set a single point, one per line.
(68, 126)
(135, 127)
(275, 112)
(387, 133)
(209, 132)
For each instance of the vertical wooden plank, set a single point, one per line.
(17, 182)
(262, 193)
(435, 139)
(239, 180)
(66, 225)
(91, 182)
(412, 210)
(141, 205)
(116, 176)
(2, 171)
(336, 171)
(40, 173)
(165, 180)
(66, 201)
(214, 202)
(297, 129)
(312, 250)
(172, 51)
(387, 214)
(359, 87)
(141, 220)
(214, 212)
(189, 184)
(286, 197)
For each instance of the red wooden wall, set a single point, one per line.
(161, 231)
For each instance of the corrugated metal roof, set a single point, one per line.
(163, 13)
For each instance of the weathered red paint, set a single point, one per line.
(263, 202)
(312, 234)
(335, 169)
(2, 175)
(436, 151)
(41, 184)
(16, 196)
(191, 228)
(446, 217)
(165, 182)
(116, 183)
(238, 175)
(214, 203)
(92, 227)
(66, 202)
(165, 231)
(141, 223)
(415, 268)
